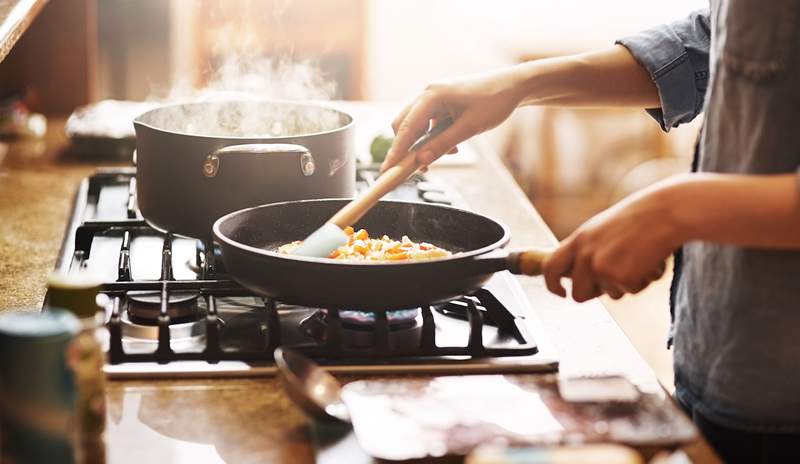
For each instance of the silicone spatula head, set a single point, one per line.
(322, 242)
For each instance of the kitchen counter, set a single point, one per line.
(37, 185)
(251, 420)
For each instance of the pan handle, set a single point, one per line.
(211, 164)
(528, 262)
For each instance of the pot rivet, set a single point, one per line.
(211, 165)
(307, 164)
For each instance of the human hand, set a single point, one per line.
(474, 103)
(620, 250)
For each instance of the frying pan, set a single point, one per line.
(248, 239)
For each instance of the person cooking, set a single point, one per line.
(735, 222)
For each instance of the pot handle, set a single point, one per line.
(528, 262)
(211, 164)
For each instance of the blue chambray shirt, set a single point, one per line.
(737, 310)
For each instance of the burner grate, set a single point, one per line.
(478, 310)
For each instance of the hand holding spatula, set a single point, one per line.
(331, 236)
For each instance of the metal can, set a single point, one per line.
(37, 387)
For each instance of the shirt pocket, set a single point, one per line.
(758, 36)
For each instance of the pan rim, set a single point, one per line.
(311, 104)
(498, 244)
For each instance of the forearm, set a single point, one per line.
(609, 77)
(746, 210)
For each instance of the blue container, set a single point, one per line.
(36, 386)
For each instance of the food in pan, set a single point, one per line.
(360, 247)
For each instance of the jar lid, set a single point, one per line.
(74, 291)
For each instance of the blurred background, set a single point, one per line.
(364, 49)
(571, 163)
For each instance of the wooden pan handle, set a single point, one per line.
(528, 262)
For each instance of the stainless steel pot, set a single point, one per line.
(199, 161)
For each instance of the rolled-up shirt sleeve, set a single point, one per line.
(676, 57)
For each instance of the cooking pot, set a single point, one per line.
(198, 161)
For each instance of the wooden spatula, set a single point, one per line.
(331, 236)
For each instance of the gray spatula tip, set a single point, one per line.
(322, 242)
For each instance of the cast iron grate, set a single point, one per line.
(479, 309)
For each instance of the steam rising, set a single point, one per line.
(248, 95)
(264, 77)
(245, 118)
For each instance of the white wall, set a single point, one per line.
(411, 42)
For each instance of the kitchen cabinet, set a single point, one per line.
(57, 52)
(15, 17)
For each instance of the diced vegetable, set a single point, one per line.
(361, 248)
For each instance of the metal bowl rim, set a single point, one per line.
(319, 105)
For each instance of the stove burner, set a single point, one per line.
(179, 332)
(366, 319)
(357, 327)
(144, 306)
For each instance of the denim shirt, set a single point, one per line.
(737, 309)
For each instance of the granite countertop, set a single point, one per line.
(37, 185)
(251, 420)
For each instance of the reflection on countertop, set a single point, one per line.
(199, 421)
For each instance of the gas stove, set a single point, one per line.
(173, 312)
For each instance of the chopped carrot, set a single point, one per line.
(397, 256)
(359, 246)
(362, 235)
(396, 248)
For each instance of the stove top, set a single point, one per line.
(170, 315)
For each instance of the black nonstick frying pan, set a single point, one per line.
(249, 238)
